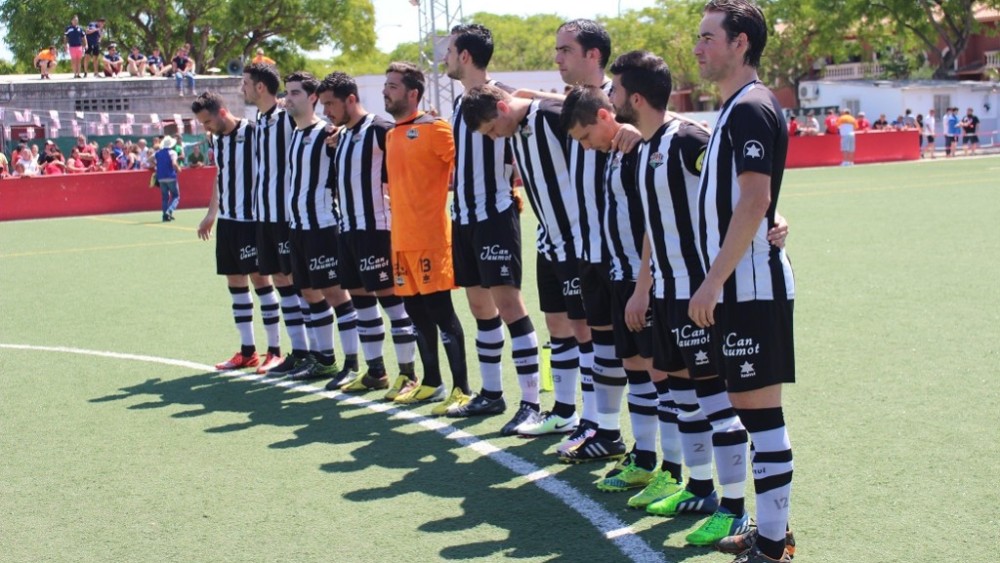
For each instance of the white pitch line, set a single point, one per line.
(610, 526)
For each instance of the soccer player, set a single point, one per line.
(365, 244)
(669, 166)
(748, 293)
(541, 153)
(313, 216)
(235, 241)
(272, 138)
(420, 153)
(486, 240)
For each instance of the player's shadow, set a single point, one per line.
(537, 525)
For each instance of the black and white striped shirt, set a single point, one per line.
(234, 179)
(312, 203)
(272, 139)
(541, 152)
(750, 136)
(483, 170)
(668, 177)
(359, 162)
(624, 221)
(587, 168)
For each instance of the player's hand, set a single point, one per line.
(701, 308)
(518, 200)
(334, 137)
(635, 311)
(205, 227)
(626, 138)
(524, 93)
(779, 232)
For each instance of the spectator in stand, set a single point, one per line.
(4, 166)
(262, 58)
(93, 52)
(143, 153)
(811, 125)
(74, 165)
(155, 65)
(75, 38)
(830, 123)
(863, 124)
(120, 154)
(930, 124)
(952, 131)
(52, 166)
(909, 122)
(26, 165)
(793, 126)
(196, 159)
(845, 128)
(881, 124)
(34, 154)
(52, 150)
(45, 61)
(179, 148)
(113, 62)
(137, 63)
(108, 163)
(970, 128)
(897, 124)
(166, 175)
(88, 155)
(183, 69)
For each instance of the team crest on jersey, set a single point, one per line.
(616, 162)
(527, 131)
(307, 140)
(412, 133)
(753, 149)
(240, 138)
(655, 160)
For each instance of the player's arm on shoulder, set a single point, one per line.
(539, 94)
(626, 139)
(443, 140)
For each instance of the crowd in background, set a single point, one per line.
(29, 160)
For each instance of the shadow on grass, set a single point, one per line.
(537, 525)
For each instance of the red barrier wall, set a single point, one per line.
(97, 193)
(824, 150)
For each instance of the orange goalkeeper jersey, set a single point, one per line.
(419, 155)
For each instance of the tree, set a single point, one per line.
(944, 27)
(218, 30)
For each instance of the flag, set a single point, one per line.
(19, 116)
(37, 120)
(105, 118)
(179, 122)
(129, 118)
(145, 129)
(79, 115)
(100, 128)
(154, 118)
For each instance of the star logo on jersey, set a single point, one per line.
(526, 131)
(655, 160)
(700, 358)
(383, 277)
(753, 149)
(504, 271)
(746, 370)
(412, 134)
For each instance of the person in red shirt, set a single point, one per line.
(831, 123)
(863, 123)
(793, 126)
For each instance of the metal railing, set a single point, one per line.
(852, 71)
(992, 59)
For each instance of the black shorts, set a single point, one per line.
(314, 257)
(930, 139)
(595, 287)
(950, 139)
(559, 287)
(695, 346)
(274, 255)
(93, 49)
(970, 140)
(235, 248)
(365, 260)
(757, 344)
(627, 343)
(488, 253)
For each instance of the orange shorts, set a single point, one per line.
(420, 272)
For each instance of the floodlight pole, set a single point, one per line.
(436, 18)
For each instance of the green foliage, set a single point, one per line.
(218, 30)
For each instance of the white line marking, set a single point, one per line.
(620, 534)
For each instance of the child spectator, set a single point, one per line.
(45, 61)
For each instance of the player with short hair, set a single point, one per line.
(365, 240)
(235, 241)
(486, 238)
(420, 153)
(748, 294)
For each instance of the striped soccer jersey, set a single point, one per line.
(750, 136)
(541, 152)
(623, 222)
(668, 180)
(587, 177)
(483, 170)
(312, 204)
(359, 164)
(234, 179)
(272, 139)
